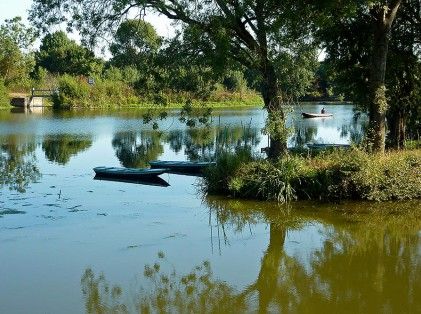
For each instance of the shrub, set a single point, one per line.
(267, 180)
(73, 92)
(76, 92)
(341, 174)
(217, 178)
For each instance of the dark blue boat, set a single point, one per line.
(181, 166)
(128, 173)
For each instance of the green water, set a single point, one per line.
(72, 244)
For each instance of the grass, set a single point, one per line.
(331, 176)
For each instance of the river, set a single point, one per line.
(72, 244)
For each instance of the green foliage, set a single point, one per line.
(267, 180)
(275, 126)
(340, 174)
(135, 44)
(15, 62)
(18, 33)
(61, 55)
(296, 69)
(76, 92)
(217, 178)
(358, 175)
(4, 95)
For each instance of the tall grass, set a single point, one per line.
(335, 175)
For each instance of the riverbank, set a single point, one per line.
(327, 176)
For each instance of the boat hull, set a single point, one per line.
(128, 173)
(308, 115)
(181, 167)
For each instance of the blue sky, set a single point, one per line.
(12, 8)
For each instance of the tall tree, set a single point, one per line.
(16, 60)
(252, 32)
(135, 42)
(357, 34)
(59, 54)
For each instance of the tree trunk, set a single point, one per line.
(397, 129)
(378, 101)
(384, 17)
(273, 104)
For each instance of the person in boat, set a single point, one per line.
(323, 111)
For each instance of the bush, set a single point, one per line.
(76, 92)
(73, 92)
(267, 180)
(217, 178)
(341, 174)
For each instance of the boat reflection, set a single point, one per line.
(154, 181)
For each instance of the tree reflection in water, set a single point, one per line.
(60, 148)
(195, 292)
(136, 149)
(368, 263)
(18, 166)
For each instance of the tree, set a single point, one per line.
(252, 33)
(61, 55)
(16, 62)
(357, 35)
(135, 43)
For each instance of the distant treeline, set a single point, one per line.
(144, 69)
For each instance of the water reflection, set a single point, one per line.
(136, 149)
(366, 263)
(60, 148)
(18, 163)
(154, 181)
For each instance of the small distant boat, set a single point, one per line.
(316, 115)
(182, 166)
(153, 181)
(327, 146)
(128, 173)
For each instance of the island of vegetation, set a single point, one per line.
(245, 53)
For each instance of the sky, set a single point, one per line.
(12, 8)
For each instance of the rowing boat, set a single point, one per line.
(181, 166)
(129, 173)
(316, 115)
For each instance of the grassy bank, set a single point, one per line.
(330, 176)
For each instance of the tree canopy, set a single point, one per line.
(253, 33)
(16, 61)
(59, 54)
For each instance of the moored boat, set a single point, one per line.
(316, 115)
(129, 173)
(181, 166)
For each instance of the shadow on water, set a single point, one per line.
(154, 181)
(368, 261)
